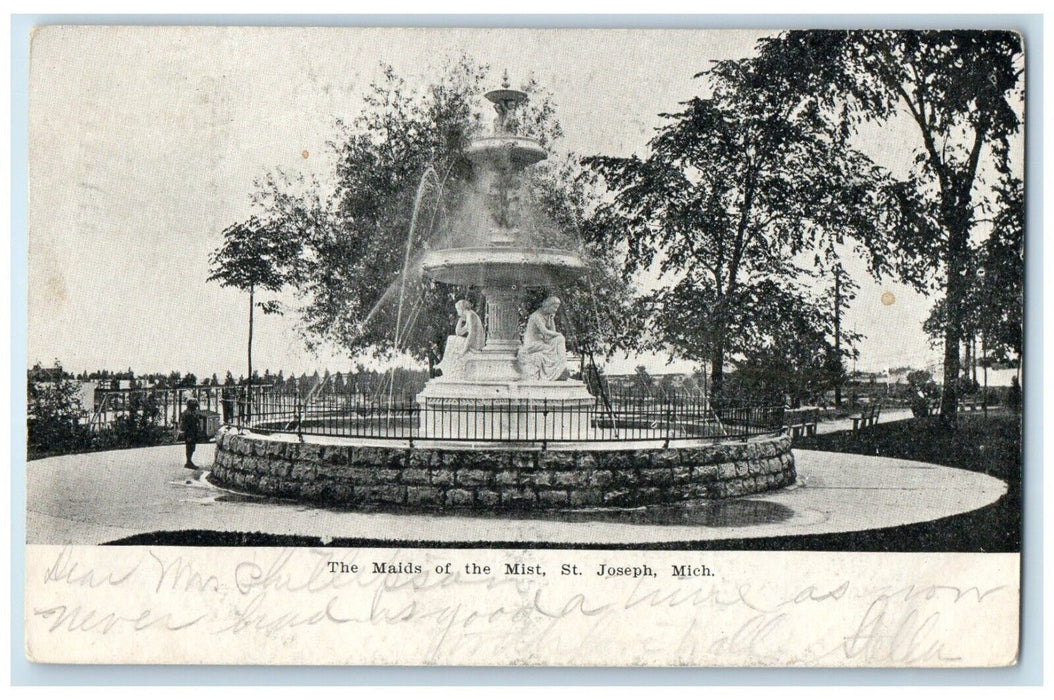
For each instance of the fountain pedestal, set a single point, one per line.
(497, 360)
(492, 401)
(514, 410)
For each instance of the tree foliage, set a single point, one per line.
(1002, 263)
(255, 256)
(962, 91)
(993, 295)
(58, 422)
(791, 346)
(733, 187)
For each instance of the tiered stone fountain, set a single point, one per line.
(503, 269)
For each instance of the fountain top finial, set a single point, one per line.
(505, 101)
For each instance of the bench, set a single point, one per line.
(802, 421)
(931, 408)
(868, 416)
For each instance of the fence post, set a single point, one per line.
(669, 422)
(545, 424)
(298, 409)
(410, 429)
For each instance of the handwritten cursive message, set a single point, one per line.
(496, 607)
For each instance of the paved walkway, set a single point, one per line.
(101, 497)
(886, 416)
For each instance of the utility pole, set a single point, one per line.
(838, 336)
(973, 357)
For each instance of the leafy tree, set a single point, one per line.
(1002, 268)
(138, 424)
(256, 256)
(356, 249)
(992, 303)
(962, 90)
(733, 187)
(790, 346)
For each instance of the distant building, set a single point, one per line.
(867, 379)
(898, 376)
(86, 394)
(998, 377)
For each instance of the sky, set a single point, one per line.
(145, 143)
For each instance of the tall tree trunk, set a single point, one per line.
(717, 350)
(717, 364)
(249, 390)
(984, 364)
(955, 293)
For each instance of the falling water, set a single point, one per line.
(592, 361)
(430, 176)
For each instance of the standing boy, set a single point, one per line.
(190, 424)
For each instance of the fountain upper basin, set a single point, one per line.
(520, 151)
(489, 265)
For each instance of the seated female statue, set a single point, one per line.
(543, 354)
(469, 336)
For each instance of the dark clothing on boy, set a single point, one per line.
(190, 424)
(227, 403)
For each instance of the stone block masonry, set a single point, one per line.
(499, 477)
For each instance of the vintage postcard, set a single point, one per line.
(554, 347)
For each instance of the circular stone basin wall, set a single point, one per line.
(498, 477)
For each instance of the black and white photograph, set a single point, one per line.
(490, 346)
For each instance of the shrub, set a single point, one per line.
(54, 416)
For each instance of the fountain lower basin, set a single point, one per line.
(489, 476)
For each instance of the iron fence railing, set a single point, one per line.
(162, 406)
(619, 416)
